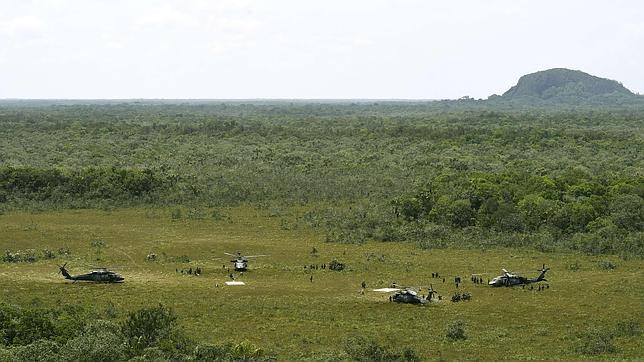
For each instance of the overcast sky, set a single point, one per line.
(309, 49)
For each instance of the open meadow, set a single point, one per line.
(397, 191)
(283, 311)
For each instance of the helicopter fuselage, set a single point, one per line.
(509, 279)
(408, 297)
(240, 264)
(96, 276)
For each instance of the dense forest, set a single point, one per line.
(466, 173)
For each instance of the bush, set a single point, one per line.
(148, 327)
(606, 265)
(595, 341)
(363, 349)
(575, 266)
(176, 214)
(179, 259)
(456, 331)
(151, 354)
(95, 345)
(210, 352)
(324, 356)
(33, 325)
(336, 265)
(6, 355)
(39, 351)
(244, 351)
(20, 256)
(628, 328)
(48, 254)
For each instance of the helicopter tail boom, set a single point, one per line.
(64, 272)
(541, 277)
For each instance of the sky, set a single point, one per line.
(309, 49)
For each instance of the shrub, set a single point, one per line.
(64, 251)
(363, 349)
(244, 351)
(148, 326)
(628, 328)
(6, 355)
(456, 331)
(20, 256)
(176, 214)
(48, 254)
(595, 341)
(606, 265)
(324, 356)
(95, 345)
(574, 266)
(33, 325)
(336, 265)
(38, 351)
(152, 354)
(179, 259)
(210, 352)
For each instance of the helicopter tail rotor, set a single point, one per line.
(543, 273)
(63, 271)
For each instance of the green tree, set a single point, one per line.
(148, 327)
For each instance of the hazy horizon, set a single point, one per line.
(290, 50)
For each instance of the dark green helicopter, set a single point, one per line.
(408, 295)
(100, 275)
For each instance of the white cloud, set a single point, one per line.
(22, 27)
(164, 16)
(294, 48)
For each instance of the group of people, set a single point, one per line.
(540, 287)
(477, 279)
(315, 266)
(197, 271)
(457, 297)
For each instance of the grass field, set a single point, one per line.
(282, 311)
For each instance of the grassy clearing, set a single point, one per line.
(282, 310)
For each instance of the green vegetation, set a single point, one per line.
(79, 334)
(456, 331)
(286, 315)
(393, 171)
(380, 192)
(565, 86)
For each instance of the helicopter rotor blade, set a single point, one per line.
(386, 290)
(230, 254)
(254, 256)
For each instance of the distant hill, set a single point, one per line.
(562, 85)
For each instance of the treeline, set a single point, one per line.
(64, 187)
(454, 167)
(573, 211)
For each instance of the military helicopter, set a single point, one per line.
(408, 295)
(510, 279)
(100, 275)
(241, 261)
